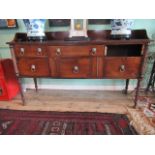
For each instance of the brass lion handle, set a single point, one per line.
(22, 51)
(93, 51)
(58, 51)
(33, 68)
(122, 68)
(75, 69)
(39, 51)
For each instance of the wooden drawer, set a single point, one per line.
(30, 51)
(74, 68)
(76, 51)
(33, 67)
(37, 50)
(22, 50)
(122, 67)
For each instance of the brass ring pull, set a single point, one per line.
(122, 68)
(22, 50)
(33, 68)
(75, 69)
(39, 51)
(58, 51)
(93, 51)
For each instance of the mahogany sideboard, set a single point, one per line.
(97, 58)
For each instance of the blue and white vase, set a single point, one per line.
(35, 28)
(121, 28)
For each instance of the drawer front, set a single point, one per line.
(76, 51)
(33, 67)
(74, 67)
(30, 51)
(22, 50)
(39, 51)
(122, 67)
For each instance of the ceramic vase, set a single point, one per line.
(35, 28)
(121, 28)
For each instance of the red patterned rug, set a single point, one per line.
(13, 122)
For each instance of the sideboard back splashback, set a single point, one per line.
(92, 34)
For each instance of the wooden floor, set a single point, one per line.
(83, 101)
(72, 100)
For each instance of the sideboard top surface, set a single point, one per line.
(95, 37)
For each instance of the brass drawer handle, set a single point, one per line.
(122, 68)
(58, 51)
(93, 51)
(33, 68)
(75, 69)
(39, 51)
(105, 50)
(22, 51)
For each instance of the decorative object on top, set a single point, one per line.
(59, 22)
(35, 29)
(121, 28)
(78, 29)
(8, 23)
(99, 21)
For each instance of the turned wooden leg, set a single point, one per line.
(137, 93)
(21, 91)
(36, 85)
(126, 86)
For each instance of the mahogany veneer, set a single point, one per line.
(98, 58)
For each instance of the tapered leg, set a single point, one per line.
(126, 86)
(21, 92)
(137, 93)
(36, 85)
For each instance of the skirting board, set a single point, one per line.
(76, 87)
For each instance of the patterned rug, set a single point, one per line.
(13, 122)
